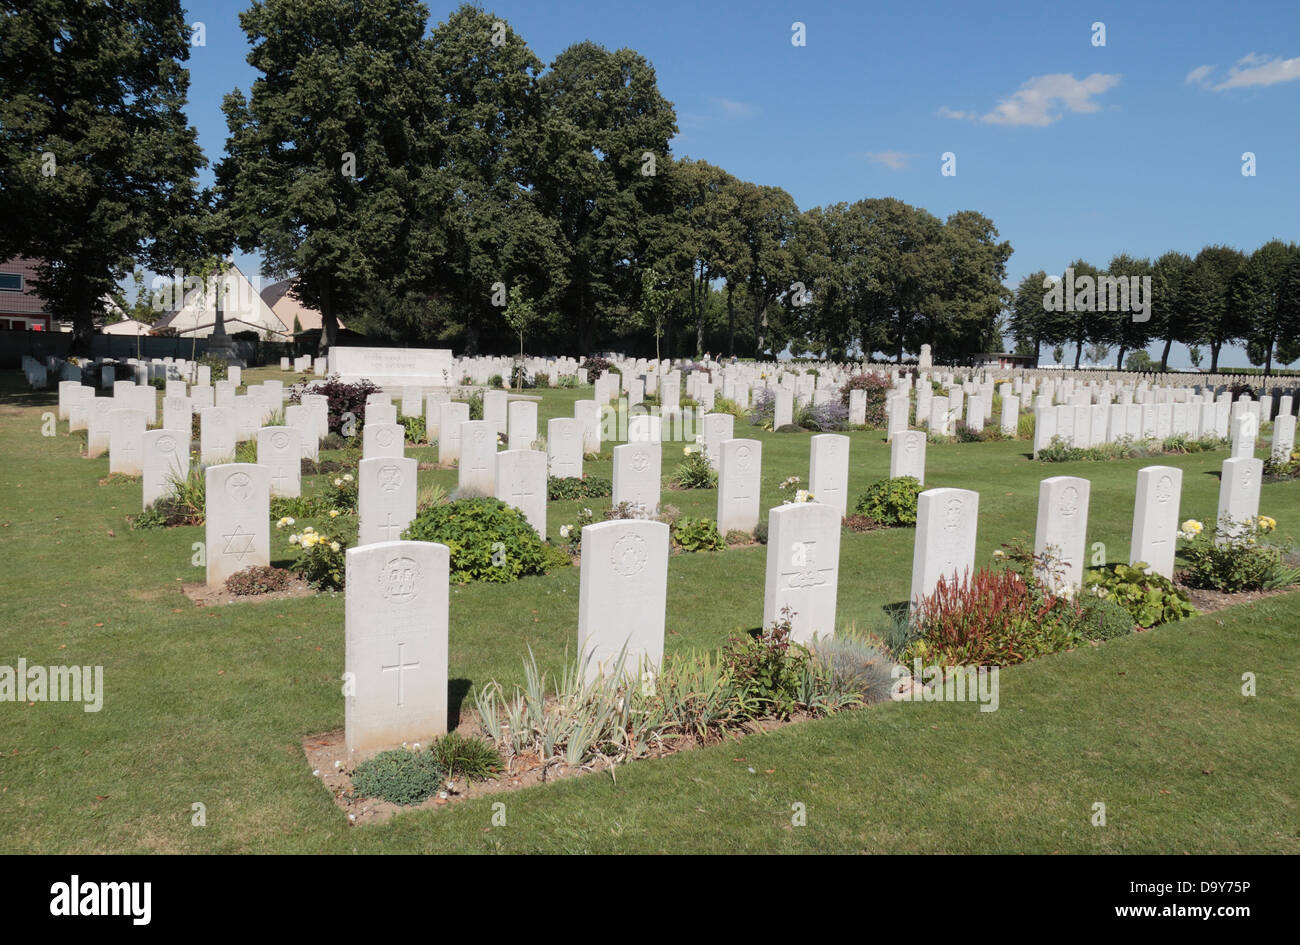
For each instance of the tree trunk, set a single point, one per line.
(83, 324)
(1214, 357)
(1078, 353)
(731, 324)
(1038, 347)
(1119, 362)
(1164, 358)
(329, 321)
(699, 312)
(1268, 360)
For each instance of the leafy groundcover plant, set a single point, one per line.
(1234, 558)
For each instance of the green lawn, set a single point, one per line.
(210, 705)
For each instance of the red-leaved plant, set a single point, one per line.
(991, 618)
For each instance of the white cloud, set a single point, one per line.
(1251, 69)
(1199, 75)
(1040, 101)
(894, 160)
(734, 109)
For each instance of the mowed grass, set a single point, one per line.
(209, 705)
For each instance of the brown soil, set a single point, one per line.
(327, 757)
(204, 596)
(1208, 602)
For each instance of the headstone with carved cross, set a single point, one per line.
(637, 475)
(521, 482)
(946, 521)
(237, 526)
(1155, 518)
(803, 563)
(280, 450)
(1060, 539)
(828, 470)
(386, 498)
(478, 458)
(395, 662)
(564, 447)
(739, 480)
(125, 429)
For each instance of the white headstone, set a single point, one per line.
(521, 483)
(125, 447)
(478, 458)
(828, 470)
(386, 498)
(1062, 528)
(946, 522)
(396, 661)
(237, 527)
(1239, 487)
(739, 482)
(622, 596)
(383, 439)
(279, 449)
(907, 455)
(522, 420)
(1155, 518)
(166, 458)
(637, 471)
(450, 417)
(803, 560)
(564, 447)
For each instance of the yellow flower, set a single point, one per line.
(334, 546)
(1192, 526)
(309, 529)
(334, 513)
(1267, 524)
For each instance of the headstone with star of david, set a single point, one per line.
(237, 527)
(386, 498)
(803, 562)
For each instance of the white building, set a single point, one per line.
(243, 308)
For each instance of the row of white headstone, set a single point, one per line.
(397, 618)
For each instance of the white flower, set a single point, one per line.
(801, 495)
(338, 482)
(565, 531)
(293, 539)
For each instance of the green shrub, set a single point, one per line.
(1105, 618)
(496, 381)
(1232, 560)
(697, 534)
(1149, 597)
(322, 556)
(877, 389)
(1025, 425)
(489, 540)
(891, 502)
(257, 580)
(185, 503)
(400, 776)
(218, 365)
(731, 407)
(470, 758)
(574, 487)
(475, 402)
(415, 429)
(767, 667)
(694, 471)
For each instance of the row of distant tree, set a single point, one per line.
(1222, 296)
(448, 187)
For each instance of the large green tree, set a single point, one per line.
(1261, 299)
(604, 128)
(324, 153)
(98, 163)
(1204, 301)
(1168, 318)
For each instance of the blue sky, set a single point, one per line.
(1073, 150)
